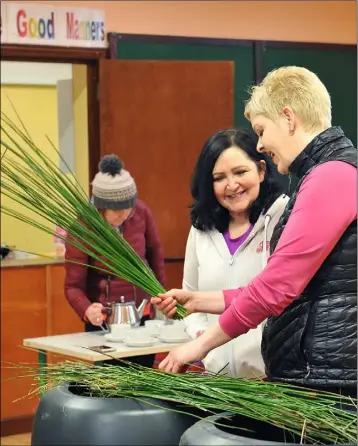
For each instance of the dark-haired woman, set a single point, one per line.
(114, 194)
(237, 203)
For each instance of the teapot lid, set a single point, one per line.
(123, 301)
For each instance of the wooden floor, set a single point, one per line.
(16, 440)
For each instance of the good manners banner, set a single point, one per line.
(34, 24)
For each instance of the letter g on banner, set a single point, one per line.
(21, 23)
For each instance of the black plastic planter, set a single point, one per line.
(206, 432)
(66, 418)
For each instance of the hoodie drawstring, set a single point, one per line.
(231, 365)
(264, 258)
(264, 247)
(264, 255)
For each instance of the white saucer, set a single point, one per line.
(143, 343)
(172, 340)
(110, 338)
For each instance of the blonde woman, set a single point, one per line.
(308, 290)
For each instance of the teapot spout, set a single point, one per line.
(141, 307)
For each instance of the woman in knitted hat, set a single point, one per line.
(114, 194)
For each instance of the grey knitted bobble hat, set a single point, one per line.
(113, 187)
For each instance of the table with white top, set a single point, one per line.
(76, 346)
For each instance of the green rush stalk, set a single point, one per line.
(33, 180)
(314, 416)
(30, 178)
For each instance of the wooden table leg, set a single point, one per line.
(42, 369)
(99, 363)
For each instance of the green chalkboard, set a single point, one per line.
(337, 69)
(241, 55)
(335, 65)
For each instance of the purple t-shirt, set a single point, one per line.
(234, 243)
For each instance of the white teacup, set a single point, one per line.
(153, 326)
(140, 334)
(172, 331)
(118, 330)
(180, 323)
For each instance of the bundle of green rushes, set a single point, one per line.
(312, 416)
(32, 179)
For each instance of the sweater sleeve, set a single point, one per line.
(75, 280)
(190, 277)
(154, 250)
(197, 322)
(325, 206)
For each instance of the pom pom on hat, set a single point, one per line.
(110, 164)
(113, 187)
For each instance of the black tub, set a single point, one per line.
(206, 432)
(64, 417)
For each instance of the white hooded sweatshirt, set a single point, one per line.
(209, 266)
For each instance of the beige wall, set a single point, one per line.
(301, 21)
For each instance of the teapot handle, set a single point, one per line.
(106, 310)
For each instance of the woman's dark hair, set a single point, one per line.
(207, 213)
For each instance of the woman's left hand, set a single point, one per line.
(178, 359)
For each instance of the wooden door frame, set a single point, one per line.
(90, 57)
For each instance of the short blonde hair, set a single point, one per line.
(294, 87)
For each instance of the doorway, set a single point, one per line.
(76, 56)
(50, 100)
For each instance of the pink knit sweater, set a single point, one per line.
(326, 205)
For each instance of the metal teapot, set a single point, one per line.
(124, 312)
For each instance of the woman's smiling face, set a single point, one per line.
(274, 139)
(237, 180)
(283, 140)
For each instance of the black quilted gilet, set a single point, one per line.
(314, 341)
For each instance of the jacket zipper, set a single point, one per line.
(107, 287)
(240, 249)
(231, 349)
(308, 370)
(231, 262)
(311, 319)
